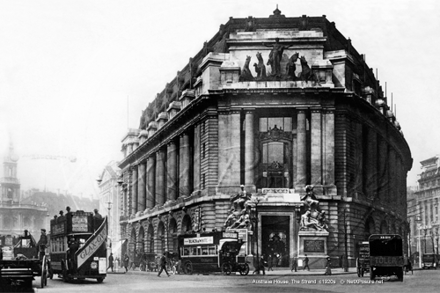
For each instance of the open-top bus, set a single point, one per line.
(212, 252)
(386, 255)
(78, 246)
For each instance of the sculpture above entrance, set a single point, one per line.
(313, 218)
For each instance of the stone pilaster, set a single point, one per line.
(151, 183)
(196, 159)
(160, 177)
(301, 166)
(329, 148)
(171, 171)
(184, 168)
(249, 150)
(141, 187)
(316, 151)
(134, 187)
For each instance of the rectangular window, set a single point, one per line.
(203, 150)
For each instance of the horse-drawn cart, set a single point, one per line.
(24, 265)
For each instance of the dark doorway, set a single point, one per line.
(275, 239)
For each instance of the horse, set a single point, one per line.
(291, 67)
(306, 73)
(246, 74)
(260, 68)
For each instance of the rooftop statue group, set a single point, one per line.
(313, 218)
(275, 58)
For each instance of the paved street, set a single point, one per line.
(274, 281)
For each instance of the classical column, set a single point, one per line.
(234, 151)
(249, 149)
(196, 158)
(171, 171)
(141, 187)
(371, 178)
(329, 148)
(134, 187)
(301, 166)
(184, 167)
(160, 177)
(316, 151)
(151, 183)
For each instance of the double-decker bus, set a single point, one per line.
(386, 255)
(212, 252)
(78, 247)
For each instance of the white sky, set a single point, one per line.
(68, 68)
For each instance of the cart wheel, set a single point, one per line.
(226, 268)
(244, 269)
(188, 268)
(400, 276)
(99, 280)
(362, 272)
(43, 277)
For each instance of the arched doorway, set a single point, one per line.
(186, 224)
(384, 227)
(161, 237)
(173, 246)
(370, 228)
(141, 241)
(150, 239)
(132, 245)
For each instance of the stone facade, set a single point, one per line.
(330, 128)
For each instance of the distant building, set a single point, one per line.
(273, 104)
(16, 216)
(424, 207)
(110, 205)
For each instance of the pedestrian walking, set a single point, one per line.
(126, 261)
(328, 270)
(110, 262)
(270, 263)
(306, 263)
(259, 266)
(163, 265)
(294, 265)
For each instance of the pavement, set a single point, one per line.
(275, 272)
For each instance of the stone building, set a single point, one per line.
(109, 205)
(423, 210)
(16, 216)
(307, 111)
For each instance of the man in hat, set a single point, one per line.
(97, 215)
(163, 264)
(42, 243)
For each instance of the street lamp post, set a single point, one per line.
(256, 202)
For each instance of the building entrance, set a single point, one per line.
(275, 239)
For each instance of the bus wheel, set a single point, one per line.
(188, 268)
(99, 280)
(244, 269)
(226, 268)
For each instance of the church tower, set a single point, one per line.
(10, 185)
